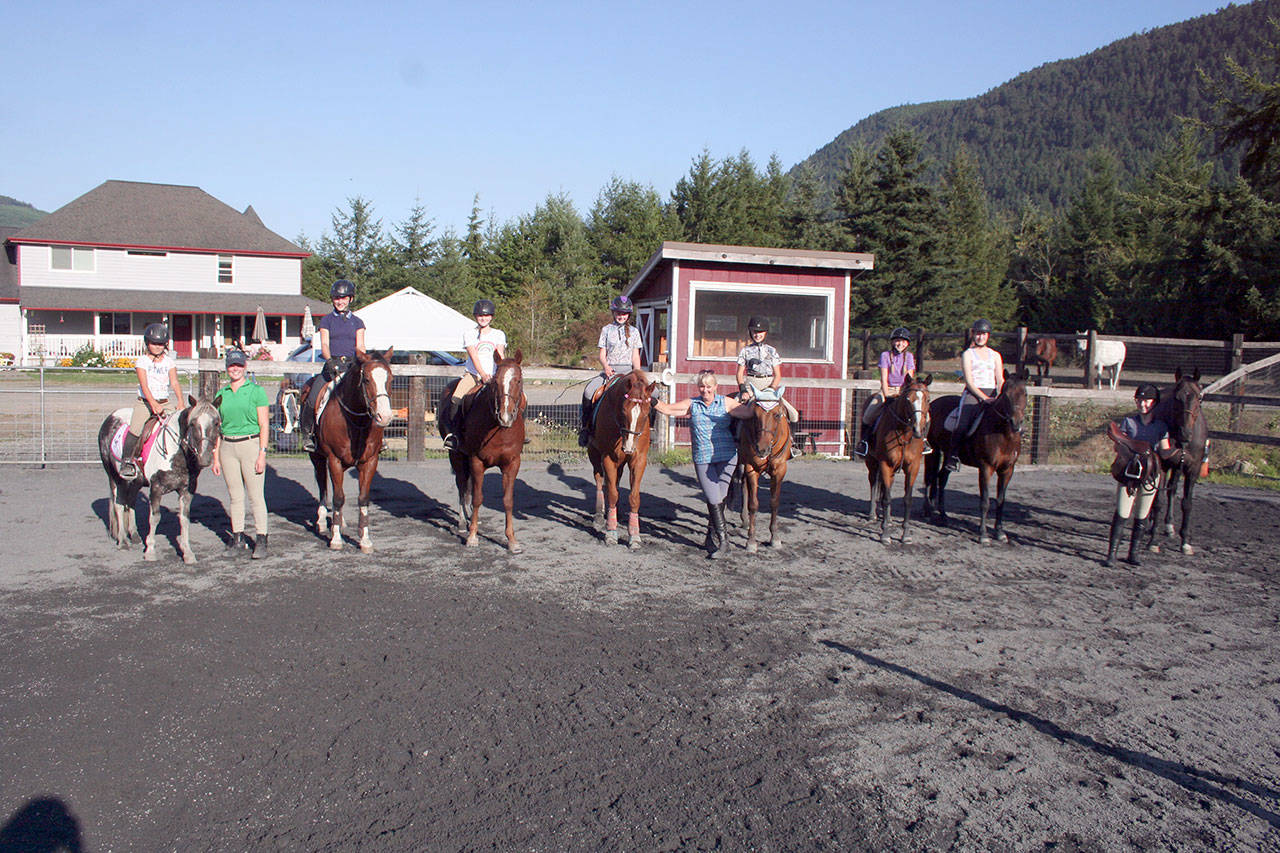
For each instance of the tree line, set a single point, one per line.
(1176, 249)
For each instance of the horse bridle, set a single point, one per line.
(370, 403)
(497, 396)
(644, 401)
(1006, 417)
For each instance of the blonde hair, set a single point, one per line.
(702, 376)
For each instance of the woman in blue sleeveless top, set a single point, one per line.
(715, 452)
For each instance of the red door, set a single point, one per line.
(182, 347)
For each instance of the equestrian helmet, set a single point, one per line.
(980, 326)
(902, 333)
(156, 333)
(237, 356)
(1147, 391)
(621, 305)
(757, 324)
(484, 306)
(341, 288)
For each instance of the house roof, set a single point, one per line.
(752, 255)
(166, 301)
(8, 267)
(131, 214)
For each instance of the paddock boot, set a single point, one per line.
(721, 532)
(952, 460)
(129, 463)
(1113, 544)
(260, 547)
(307, 429)
(1135, 543)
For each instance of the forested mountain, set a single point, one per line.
(17, 214)
(1032, 136)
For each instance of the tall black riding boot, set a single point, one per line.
(952, 460)
(1135, 543)
(721, 532)
(1113, 544)
(450, 412)
(713, 538)
(129, 463)
(584, 430)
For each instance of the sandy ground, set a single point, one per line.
(831, 693)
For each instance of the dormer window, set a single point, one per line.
(224, 269)
(71, 258)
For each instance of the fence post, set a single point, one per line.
(919, 350)
(1040, 411)
(42, 415)
(1091, 346)
(207, 384)
(866, 346)
(1022, 346)
(416, 431)
(1234, 360)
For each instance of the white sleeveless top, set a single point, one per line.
(983, 371)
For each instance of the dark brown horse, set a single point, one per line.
(993, 447)
(349, 434)
(1189, 435)
(764, 446)
(491, 434)
(1042, 352)
(898, 445)
(621, 439)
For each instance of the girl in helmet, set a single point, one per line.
(983, 379)
(758, 365)
(341, 337)
(1134, 499)
(157, 377)
(485, 347)
(897, 369)
(619, 353)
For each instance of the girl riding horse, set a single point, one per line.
(899, 445)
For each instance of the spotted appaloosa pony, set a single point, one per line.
(764, 446)
(349, 434)
(491, 434)
(992, 448)
(898, 445)
(621, 440)
(1189, 435)
(183, 447)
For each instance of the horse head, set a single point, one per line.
(1187, 397)
(762, 430)
(375, 384)
(1011, 403)
(508, 390)
(634, 419)
(198, 429)
(916, 395)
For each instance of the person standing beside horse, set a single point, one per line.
(485, 347)
(897, 370)
(240, 454)
(759, 366)
(1137, 470)
(341, 337)
(983, 377)
(619, 353)
(715, 450)
(157, 377)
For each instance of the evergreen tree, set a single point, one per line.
(976, 249)
(627, 225)
(1248, 115)
(356, 247)
(1093, 246)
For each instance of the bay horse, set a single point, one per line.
(1042, 352)
(993, 447)
(183, 447)
(898, 445)
(490, 434)
(620, 439)
(349, 434)
(1189, 435)
(764, 446)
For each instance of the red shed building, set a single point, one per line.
(693, 301)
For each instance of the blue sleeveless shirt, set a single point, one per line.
(709, 428)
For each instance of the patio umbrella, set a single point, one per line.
(260, 326)
(308, 325)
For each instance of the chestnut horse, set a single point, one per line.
(764, 446)
(349, 434)
(898, 445)
(1042, 352)
(992, 447)
(490, 434)
(620, 439)
(1189, 435)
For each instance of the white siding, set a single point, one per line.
(11, 329)
(181, 272)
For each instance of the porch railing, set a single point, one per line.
(53, 347)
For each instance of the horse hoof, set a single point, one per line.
(611, 537)
(775, 543)
(188, 559)
(1187, 549)
(752, 547)
(1154, 549)
(335, 545)
(366, 547)
(515, 548)
(984, 540)
(122, 546)
(884, 538)
(1002, 536)
(149, 556)
(634, 543)
(473, 541)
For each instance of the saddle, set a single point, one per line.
(594, 404)
(1136, 464)
(150, 432)
(953, 419)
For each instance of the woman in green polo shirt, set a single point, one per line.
(240, 454)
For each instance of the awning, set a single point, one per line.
(165, 301)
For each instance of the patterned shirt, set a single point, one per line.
(709, 431)
(486, 341)
(760, 359)
(618, 342)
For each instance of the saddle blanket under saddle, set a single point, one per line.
(769, 398)
(117, 441)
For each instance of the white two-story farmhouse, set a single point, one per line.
(127, 254)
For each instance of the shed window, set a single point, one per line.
(71, 258)
(797, 323)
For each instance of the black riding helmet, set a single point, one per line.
(979, 326)
(484, 306)
(621, 305)
(1147, 391)
(156, 333)
(341, 288)
(757, 324)
(902, 333)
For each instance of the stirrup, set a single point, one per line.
(451, 441)
(309, 443)
(128, 469)
(862, 449)
(952, 463)
(927, 449)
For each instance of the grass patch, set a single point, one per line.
(675, 457)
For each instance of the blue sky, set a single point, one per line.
(294, 107)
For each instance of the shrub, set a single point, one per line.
(261, 354)
(87, 356)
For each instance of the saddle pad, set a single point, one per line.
(117, 440)
(768, 405)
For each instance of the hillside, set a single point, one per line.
(17, 214)
(1032, 135)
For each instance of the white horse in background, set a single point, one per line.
(1106, 354)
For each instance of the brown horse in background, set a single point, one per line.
(993, 448)
(898, 445)
(491, 434)
(764, 446)
(349, 434)
(620, 439)
(1042, 352)
(1189, 435)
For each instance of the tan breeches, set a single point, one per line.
(141, 413)
(468, 381)
(1136, 505)
(237, 459)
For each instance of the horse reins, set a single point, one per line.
(370, 403)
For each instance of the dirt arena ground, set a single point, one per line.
(832, 693)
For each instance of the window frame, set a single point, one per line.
(74, 252)
(227, 263)
(828, 295)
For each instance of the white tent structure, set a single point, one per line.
(410, 320)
